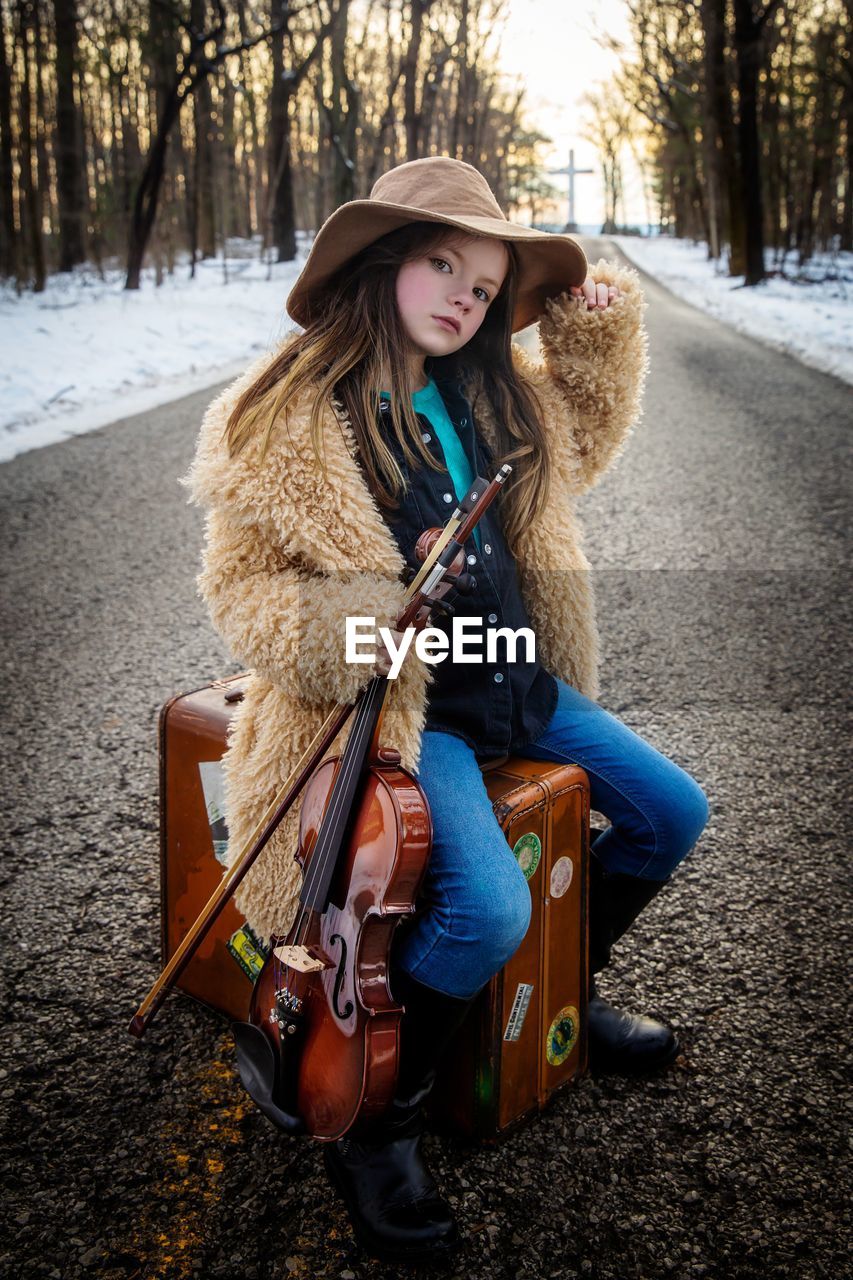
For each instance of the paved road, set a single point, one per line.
(719, 542)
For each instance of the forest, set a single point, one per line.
(148, 133)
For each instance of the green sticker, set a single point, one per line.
(528, 851)
(562, 1035)
(248, 951)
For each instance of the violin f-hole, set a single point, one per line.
(344, 1013)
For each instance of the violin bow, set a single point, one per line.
(456, 531)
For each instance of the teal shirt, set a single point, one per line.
(428, 402)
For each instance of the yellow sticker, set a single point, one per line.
(248, 950)
(562, 1035)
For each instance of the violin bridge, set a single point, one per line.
(300, 959)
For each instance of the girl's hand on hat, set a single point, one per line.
(595, 296)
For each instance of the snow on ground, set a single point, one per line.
(807, 312)
(85, 352)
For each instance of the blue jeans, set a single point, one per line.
(476, 900)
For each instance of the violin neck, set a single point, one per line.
(336, 820)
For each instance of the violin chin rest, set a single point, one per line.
(257, 1067)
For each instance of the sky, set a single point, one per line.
(551, 44)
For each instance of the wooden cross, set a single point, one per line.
(572, 174)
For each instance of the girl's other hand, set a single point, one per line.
(596, 296)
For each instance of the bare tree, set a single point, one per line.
(31, 186)
(69, 140)
(8, 241)
(203, 197)
(341, 113)
(750, 26)
(289, 71)
(194, 67)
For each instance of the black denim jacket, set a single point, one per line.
(496, 707)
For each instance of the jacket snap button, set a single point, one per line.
(493, 617)
(448, 497)
(487, 548)
(498, 677)
(464, 422)
(426, 437)
(472, 559)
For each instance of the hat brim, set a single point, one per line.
(550, 263)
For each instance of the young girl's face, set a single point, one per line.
(443, 296)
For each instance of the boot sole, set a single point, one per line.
(376, 1248)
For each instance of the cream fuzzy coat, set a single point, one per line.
(289, 555)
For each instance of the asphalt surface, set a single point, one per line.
(720, 544)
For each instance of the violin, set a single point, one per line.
(319, 1051)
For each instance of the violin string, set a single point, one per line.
(314, 870)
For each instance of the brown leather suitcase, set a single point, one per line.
(193, 840)
(525, 1035)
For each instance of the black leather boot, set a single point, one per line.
(394, 1205)
(620, 1042)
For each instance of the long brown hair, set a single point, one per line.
(359, 333)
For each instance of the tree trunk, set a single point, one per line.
(733, 226)
(29, 177)
(748, 51)
(69, 157)
(204, 157)
(847, 113)
(8, 237)
(713, 22)
(282, 219)
(457, 124)
(412, 119)
(822, 142)
(148, 192)
(286, 82)
(254, 167)
(342, 117)
(234, 220)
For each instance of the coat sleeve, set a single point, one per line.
(266, 578)
(286, 623)
(591, 379)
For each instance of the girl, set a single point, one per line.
(319, 469)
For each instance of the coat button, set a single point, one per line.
(493, 617)
(426, 437)
(487, 548)
(498, 677)
(448, 497)
(464, 422)
(472, 559)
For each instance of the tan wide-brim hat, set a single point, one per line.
(437, 189)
